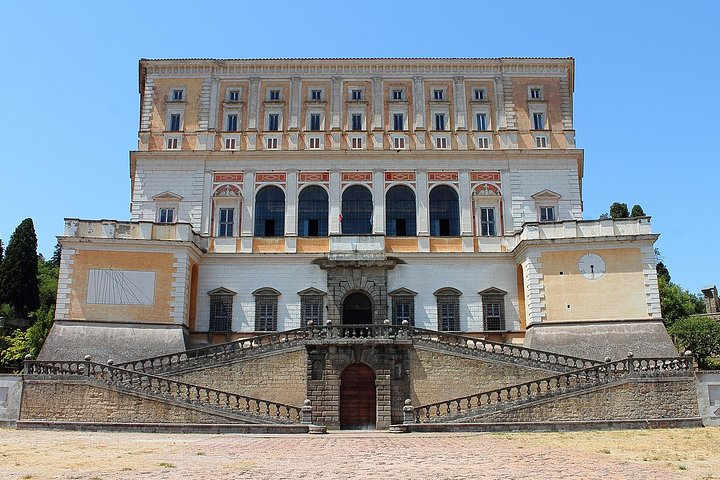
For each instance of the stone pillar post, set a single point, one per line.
(253, 103)
(378, 113)
(334, 199)
(294, 103)
(306, 415)
(408, 412)
(378, 225)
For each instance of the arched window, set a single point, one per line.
(357, 210)
(400, 212)
(270, 212)
(313, 212)
(444, 212)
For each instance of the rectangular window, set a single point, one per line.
(438, 94)
(220, 313)
(174, 122)
(166, 215)
(356, 94)
(356, 121)
(225, 226)
(357, 143)
(274, 95)
(234, 95)
(399, 143)
(541, 141)
(314, 143)
(397, 94)
(536, 93)
(448, 311)
(398, 121)
(547, 214)
(273, 122)
(487, 222)
(441, 143)
(177, 94)
(315, 94)
(403, 308)
(481, 121)
(480, 94)
(272, 143)
(314, 122)
(173, 144)
(266, 313)
(230, 144)
(439, 121)
(311, 310)
(538, 121)
(483, 142)
(494, 312)
(232, 122)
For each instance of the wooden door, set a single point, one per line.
(357, 397)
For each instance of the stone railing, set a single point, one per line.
(113, 229)
(514, 395)
(280, 341)
(262, 410)
(585, 229)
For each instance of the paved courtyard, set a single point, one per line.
(658, 454)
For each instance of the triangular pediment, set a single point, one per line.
(221, 291)
(402, 292)
(492, 291)
(167, 197)
(547, 195)
(311, 291)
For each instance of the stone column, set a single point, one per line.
(378, 202)
(377, 104)
(253, 103)
(334, 199)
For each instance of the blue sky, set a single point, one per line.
(647, 105)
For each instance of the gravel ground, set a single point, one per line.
(636, 454)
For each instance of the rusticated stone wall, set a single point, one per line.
(81, 401)
(631, 399)
(436, 376)
(279, 377)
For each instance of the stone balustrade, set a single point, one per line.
(113, 229)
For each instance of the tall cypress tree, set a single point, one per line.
(18, 277)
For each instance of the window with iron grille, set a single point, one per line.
(266, 310)
(311, 309)
(221, 312)
(493, 312)
(403, 308)
(448, 309)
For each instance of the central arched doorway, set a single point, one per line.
(357, 310)
(357, 397)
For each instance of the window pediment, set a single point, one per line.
(547, 195)
(402, 292)
(311, 292)
(447, 291)
(492, 291)
(227, 191)
(221, 291)
(167, 197)
(266, 292)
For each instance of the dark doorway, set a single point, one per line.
(357, 310)
(357, 397)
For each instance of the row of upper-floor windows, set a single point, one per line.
(356, 213)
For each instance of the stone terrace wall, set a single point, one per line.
(83, 401)
(436, 376)
(630, 399)
(280, 377)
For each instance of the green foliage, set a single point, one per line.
(676, 302)
(57, 253)
(1, 250)
(14, 347)
(700, 335)
(619, 210)
(18, 276)
(637, 211)
(47, 282)
(662, 271)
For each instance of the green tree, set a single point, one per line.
(619, 210)
(18, 277)
(1, 250)
(47, 282)
(700, 335)
(57, 253)
(637, 211)
(677, 303)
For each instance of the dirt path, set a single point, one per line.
(655, 454)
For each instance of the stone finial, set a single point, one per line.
(408, 412)
(328, 323)
(688, 353)
(386, 321)
(405, 323)
(608, 359)
(28, 357)
(111, 361)
(306, 416)
(630, 355)
(310, 323)
(307, 402)
(88, 358)
(408, 401)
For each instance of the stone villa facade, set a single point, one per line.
(394, 228)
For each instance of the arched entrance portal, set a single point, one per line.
(357, 310)
(357, 397)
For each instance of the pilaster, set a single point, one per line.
(378, 225)
(377, 103)
(295, 93)
(460, 103)
(336, 104)
(334, 223)
(253, 103)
